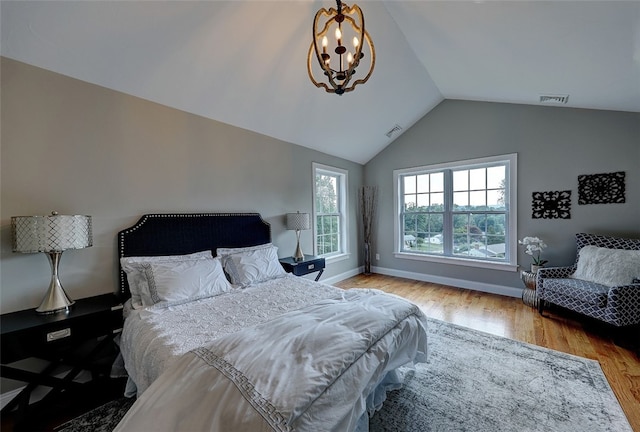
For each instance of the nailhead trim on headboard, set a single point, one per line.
(178, 234)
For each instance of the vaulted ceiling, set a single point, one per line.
(244, 62)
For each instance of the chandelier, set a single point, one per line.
(337, 63)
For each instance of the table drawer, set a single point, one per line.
(47, 340)
(308, 267)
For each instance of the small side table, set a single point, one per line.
(76, 338)
(529, 294)
(310, 264)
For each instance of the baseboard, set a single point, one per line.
(459, 283)
(342, 276)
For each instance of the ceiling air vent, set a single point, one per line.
(393, 130)
(554, 99)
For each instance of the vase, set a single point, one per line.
(535, 268)
(529, 279)
(367, 258)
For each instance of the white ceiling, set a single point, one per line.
(244, 62)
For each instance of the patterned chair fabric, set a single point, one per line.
(619, 305)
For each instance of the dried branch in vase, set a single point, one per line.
(368, 203)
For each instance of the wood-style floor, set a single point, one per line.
(509, 317)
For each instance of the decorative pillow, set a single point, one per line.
(135, 273)
(221, 252)
(251, 267)
(185, 280)
(611, 267)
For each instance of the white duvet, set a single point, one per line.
(315, 368)
(155, 337)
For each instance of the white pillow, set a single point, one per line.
(135, 273)
(221, 252)
(251, 267)
(185, 280)
(611, 267)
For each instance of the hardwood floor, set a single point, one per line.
(509, 317)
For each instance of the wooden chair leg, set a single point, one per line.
(628, 337)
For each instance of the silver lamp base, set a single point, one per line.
(56, 300)
(298, 255)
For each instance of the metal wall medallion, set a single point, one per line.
(551, 205)
(606, 188)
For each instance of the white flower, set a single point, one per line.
(533, 247)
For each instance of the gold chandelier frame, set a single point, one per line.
(339, 81)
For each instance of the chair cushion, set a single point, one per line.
(611, 267)
(587, 292)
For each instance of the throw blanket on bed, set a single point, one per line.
(316, 368)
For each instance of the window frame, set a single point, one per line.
(343, 199)
(511, 244)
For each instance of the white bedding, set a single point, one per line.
(313, 368)
(154, 338)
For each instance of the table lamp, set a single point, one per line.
(52, 235)
(298, 221)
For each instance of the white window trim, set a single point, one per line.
(344, 186)
(511, 264)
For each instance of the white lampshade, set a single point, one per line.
(51, 233)
(298, 221)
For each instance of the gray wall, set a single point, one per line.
(554, 146)
(78, 148)
(74, 147)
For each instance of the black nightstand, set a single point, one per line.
(77, 339)
(309, 264)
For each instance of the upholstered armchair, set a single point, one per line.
(603, 283)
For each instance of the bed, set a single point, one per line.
(218, 337)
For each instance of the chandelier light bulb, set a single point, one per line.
(356, 42)
(338, 35)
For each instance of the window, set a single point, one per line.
(459, 213)
(329, 210)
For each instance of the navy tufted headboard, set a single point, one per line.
(184, 233)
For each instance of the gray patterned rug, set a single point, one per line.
(477, 382)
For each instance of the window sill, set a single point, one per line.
(336, 258)
(458, 261)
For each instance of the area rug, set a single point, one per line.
(474, 381)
